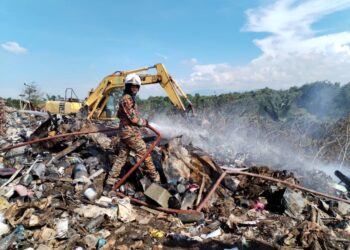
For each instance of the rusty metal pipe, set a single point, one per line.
(55, 137)
(167, 210)
(291, 185)
(123, 179)
(206, 199)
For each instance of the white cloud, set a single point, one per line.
(292, 54)
(14, 48)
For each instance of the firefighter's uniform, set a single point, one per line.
(131, 139)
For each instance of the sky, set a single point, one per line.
(209, 47)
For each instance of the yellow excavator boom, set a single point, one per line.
(97, 99)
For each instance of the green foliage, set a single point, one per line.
(156, 104)
(53, 97)
(342, 101)
(324, 100)
(319, 98)
(14, 103)
(276, 103)
(32, 93)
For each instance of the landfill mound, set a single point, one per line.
(52, 196)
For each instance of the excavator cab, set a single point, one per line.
(111, 107)
(70, 96)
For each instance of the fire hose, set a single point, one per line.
(55, 137)
(168, 210)
(123, 179)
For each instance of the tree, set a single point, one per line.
(54, 97)
(31, 93)
(14, 103)
(342, 100)
(319, 98)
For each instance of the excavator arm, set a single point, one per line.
(97, 99)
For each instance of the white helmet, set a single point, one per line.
(132, 79)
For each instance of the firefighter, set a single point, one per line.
(129, 132)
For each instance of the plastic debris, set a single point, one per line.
(213, 234)
(4, 229)
(100, 243)
(23, 191)
(155, 233)
(65, 210)
(7, 241)
(125, 211)
(90, 192)
(259, 206)
(4, 204)
(62, 226)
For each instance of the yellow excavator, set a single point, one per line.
(70, 104)
(94, 105)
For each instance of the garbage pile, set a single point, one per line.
(52, 196)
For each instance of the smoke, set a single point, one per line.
(226, 140)
(320, 99)
(246, 141)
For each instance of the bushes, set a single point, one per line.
(324, 100)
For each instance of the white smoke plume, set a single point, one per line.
(236, 142)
